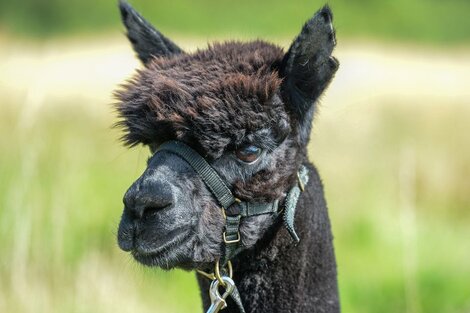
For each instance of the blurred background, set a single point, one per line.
(391, 143)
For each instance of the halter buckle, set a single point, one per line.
(232, 241)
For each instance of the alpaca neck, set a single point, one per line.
(279, 276)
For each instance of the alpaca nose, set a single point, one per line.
(146, 197)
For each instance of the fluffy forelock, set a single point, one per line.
(211, 98)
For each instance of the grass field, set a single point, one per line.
(395, 163)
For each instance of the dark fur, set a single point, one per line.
(217, 100)
(278, 276)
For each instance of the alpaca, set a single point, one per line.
(246, 110)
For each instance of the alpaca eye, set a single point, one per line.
(248, 154)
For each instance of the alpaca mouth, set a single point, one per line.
(167, 255)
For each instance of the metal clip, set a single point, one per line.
(218, 301)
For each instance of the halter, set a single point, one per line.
(234, 210)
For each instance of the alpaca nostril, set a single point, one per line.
(147, 206)
(151, 210)
(147, 196)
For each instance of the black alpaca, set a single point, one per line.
(247, 109)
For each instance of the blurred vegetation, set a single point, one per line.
(432, 21)
(396, 182)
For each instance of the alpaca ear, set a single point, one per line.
(146, 40)
(308, 67)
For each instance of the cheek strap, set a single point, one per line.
(232, 208)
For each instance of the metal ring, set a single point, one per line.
(217, 272)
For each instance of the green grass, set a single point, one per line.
(398, 194)
(396, 180)
(430, 21)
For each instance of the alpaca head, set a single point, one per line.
(247, 108)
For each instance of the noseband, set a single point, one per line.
(234, 210)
